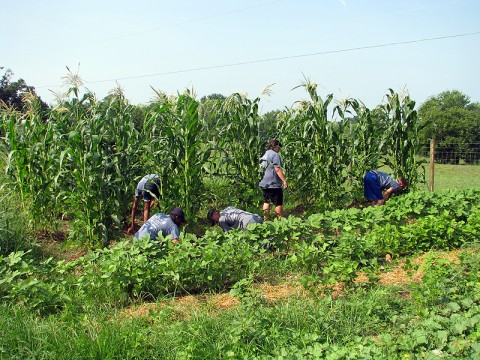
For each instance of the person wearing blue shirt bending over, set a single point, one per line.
(233, 218)
(274, 180)
(378, 186)
(166, 225)
(148, 188)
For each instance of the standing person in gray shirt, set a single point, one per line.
(274, 180)
(233, 218)
(378, 186)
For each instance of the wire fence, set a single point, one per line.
(454, 153)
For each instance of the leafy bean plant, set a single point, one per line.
(23, 281)
(153, 268)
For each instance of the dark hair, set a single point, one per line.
(178, 214)
(210, 215)
(404, 181)
(273, 143)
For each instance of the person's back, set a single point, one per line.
(269, 161)
(233, 218)
(386, 181)
(159, 223)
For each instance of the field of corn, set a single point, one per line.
(76, 167)
(81, 160)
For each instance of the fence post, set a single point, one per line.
(432, 164)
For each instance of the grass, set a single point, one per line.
(455, 177)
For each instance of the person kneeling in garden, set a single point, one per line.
(233, 218)
(167, 225)
(378, 186)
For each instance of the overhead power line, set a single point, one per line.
(367, 47)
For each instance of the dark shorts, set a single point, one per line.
(273, 195)
(371, 187)
(150, 191)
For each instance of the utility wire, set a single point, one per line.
(367, 47)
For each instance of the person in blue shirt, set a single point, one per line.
(378, 186)
(166, 225)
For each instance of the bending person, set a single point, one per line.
(378, 186)
(148, 188)
(233, 218)
(167, 225)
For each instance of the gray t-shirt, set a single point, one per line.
(269, 161)
(142, 182)
(233, 218)
(386, 181)
(159, 223)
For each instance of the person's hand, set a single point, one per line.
(130, 229)
(175, 241)
(285, 185)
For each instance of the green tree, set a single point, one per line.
(11, 91)
(269, 124)
(210, 112)
(452, 120)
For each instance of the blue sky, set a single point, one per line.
(356, 49)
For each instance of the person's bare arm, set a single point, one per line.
(387, 194)
(281, 175)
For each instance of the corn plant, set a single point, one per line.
(241, 146)
(180, 152)
(401, 137)
(315, 150)
(32, 145)
(364, 140)
(100, 156)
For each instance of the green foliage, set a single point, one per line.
(365, 138)
(238, 148)
(176, 149)
(452, 120)
(82, 159)
(146, 268)
(327, 159)
(442, 316)
(24, 282)
(402, 144)
(311, 140)
(11, 92)
(13, 232)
